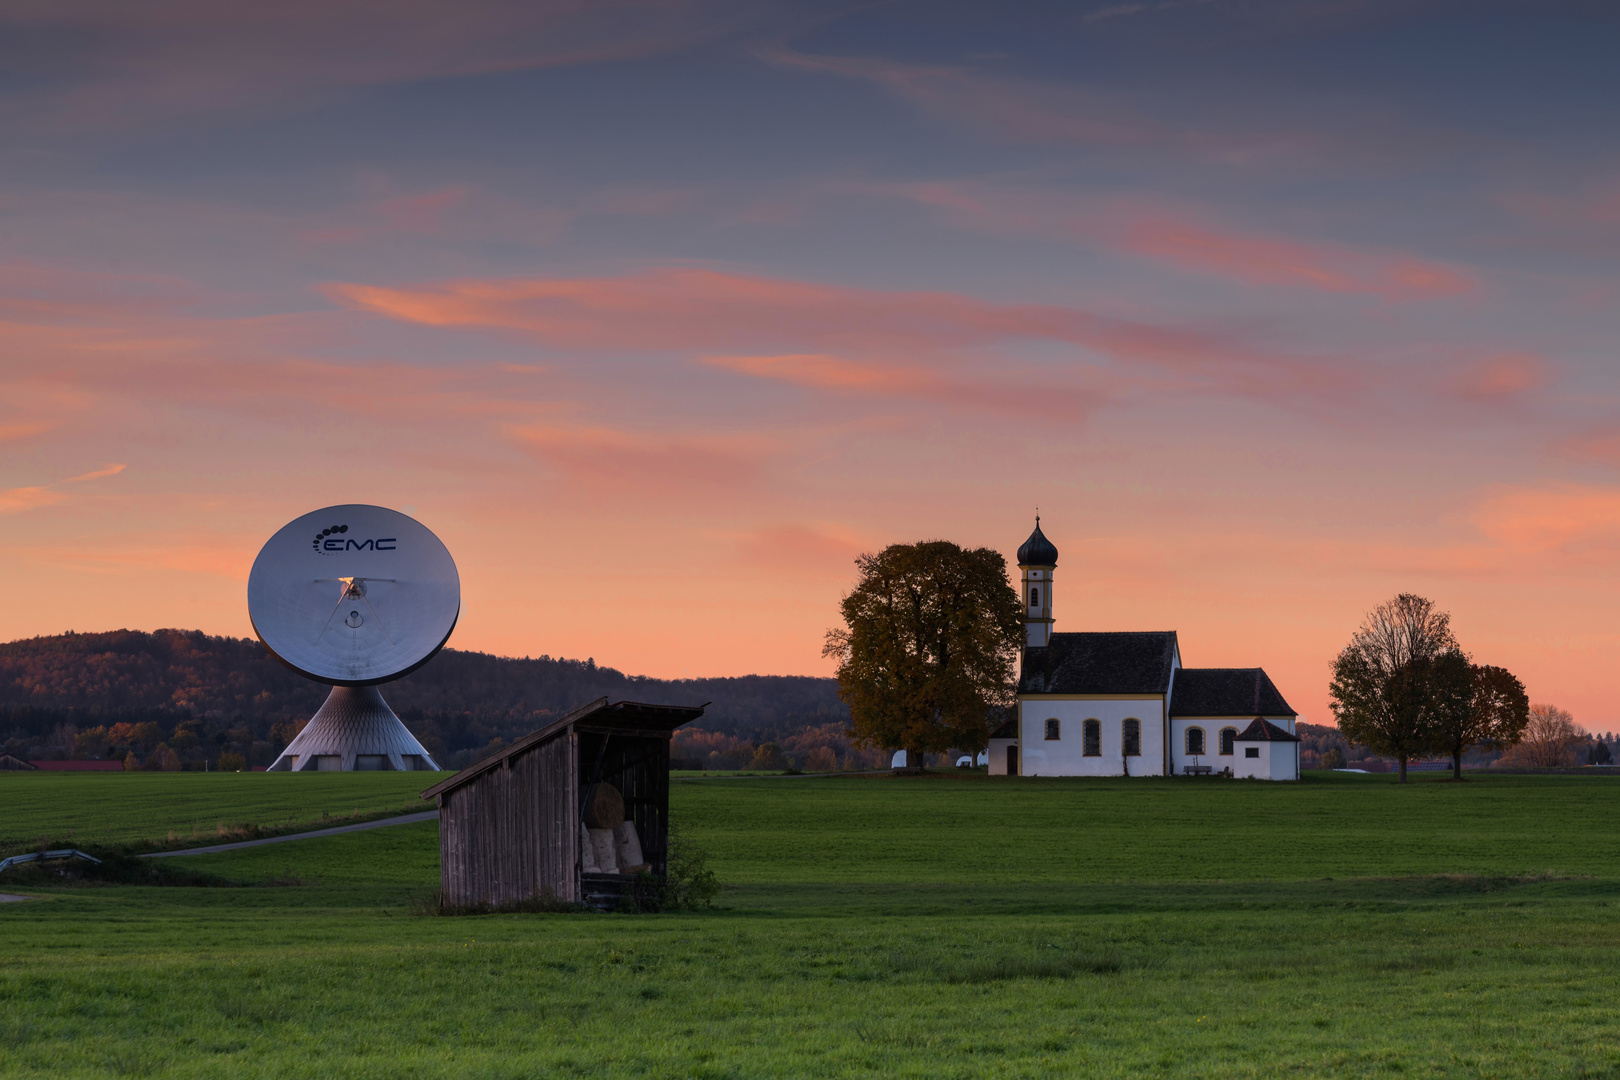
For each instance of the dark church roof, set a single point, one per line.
(1265, 731)
(1125, 663)
(1037, 550)
(1225, 691)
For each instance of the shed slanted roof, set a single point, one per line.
(1265, 731)
(1226, 691)
(1100, 663)
(629, 716)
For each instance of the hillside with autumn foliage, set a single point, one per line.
(181, 698)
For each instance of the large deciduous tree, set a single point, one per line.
(1401, 672)
(929, 645)
(1487, 706)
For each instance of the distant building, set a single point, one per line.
(9, 762)
(79, 766)
(1121, 704)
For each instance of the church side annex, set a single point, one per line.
(1121, 704)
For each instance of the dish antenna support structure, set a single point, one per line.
(354, 596)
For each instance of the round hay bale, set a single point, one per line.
(604, 807)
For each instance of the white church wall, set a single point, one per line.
(1064, 756)
(1212, 725)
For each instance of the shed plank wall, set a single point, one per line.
(511, 833)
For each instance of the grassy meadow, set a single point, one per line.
(142, 809)
(938, 927)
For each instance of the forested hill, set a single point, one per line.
(461, 698)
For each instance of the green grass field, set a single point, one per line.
(937, 927)
(141, 808)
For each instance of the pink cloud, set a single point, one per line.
(17, 430)
(706, 311)
(1502, 377)
(1178, 237)
(1601, 446)
(1016, 393)
(1570, 519)
(1264, 260)
(653, 464)
(803, 548)
(18, 499)
(96, 474)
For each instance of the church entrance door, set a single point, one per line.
(1012, 761)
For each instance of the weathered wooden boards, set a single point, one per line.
(562, 812)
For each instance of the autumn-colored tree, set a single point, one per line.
(821, 759)
(1401, 671)
(1484, 706)
(769, 758)
(1549, 740)
(930, 643)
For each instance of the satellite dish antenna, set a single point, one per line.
(354, 596)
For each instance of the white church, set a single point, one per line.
(1121, 704)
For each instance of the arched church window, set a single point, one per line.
(1195, 740)
(1227, 735)
(1034, 597)
(1132, 732)
(1091, 738)
(1054, 729)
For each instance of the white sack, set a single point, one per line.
(628, 848)
(602, 841)
(587, 852)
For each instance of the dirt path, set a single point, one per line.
(6, 897)
(404, 819)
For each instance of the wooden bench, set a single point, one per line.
(1197, 770)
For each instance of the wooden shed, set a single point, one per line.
(511, 825)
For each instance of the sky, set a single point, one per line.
(660, 312)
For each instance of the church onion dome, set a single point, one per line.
(1037, 550)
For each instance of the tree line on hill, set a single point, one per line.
(182, 699)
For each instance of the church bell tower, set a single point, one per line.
(1037, 558)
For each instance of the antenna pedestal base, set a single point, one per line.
(354, 730)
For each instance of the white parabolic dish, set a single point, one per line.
(354, 595)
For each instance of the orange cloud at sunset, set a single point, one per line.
(1579, 522)
(697, 310)
(16, 500)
